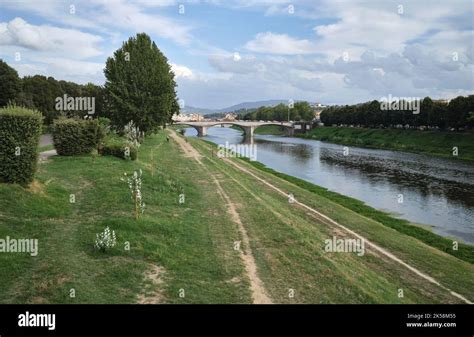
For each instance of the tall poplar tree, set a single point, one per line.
(10, 84)
(140, 85)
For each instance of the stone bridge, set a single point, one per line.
(247, 126)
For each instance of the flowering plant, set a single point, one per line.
(105, 240)
(135, 184)
(134, 136)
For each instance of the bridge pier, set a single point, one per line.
(202, 130)
(248, 130)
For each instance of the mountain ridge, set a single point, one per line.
(235, 107)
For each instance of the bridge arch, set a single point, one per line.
(201, 131)
(247, 126)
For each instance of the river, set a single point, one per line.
(428, 191)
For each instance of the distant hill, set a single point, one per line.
(240, 106)
(192, 109)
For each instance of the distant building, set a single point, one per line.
(318, 108)
(302, 127)
(230, 117)
(442, 101)
(192, 117)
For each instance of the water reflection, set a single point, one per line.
(436, 192)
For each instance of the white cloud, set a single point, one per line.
(44, 38)
(409, 54)
(360, 29)
(127, 15)
(282, 44)
(109, 16)
(63, 69)
(237, 65)
(181, 71)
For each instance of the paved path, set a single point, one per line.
(46, 139)
(43, 156)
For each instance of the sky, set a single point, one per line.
(225, 52)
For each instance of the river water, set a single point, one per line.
(437, 193)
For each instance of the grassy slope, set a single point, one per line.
(465, 251)
(289, 248)
(191, 242)
(270, 130)
(430, 142)
(194, 242)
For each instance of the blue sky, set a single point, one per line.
(227, 52)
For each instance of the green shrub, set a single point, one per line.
(104, 128)
(119, 148)
(20, 130)
(104, 123)
(75, 136)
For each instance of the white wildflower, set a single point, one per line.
(135, 186)
(105, 240)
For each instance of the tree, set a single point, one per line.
(10, 84)
(92, 90)
(140, 85)
(280, 112)
(304, 111)
(42, 91)
(458, 112)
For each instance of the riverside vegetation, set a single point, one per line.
(193, 243)
(457, 145)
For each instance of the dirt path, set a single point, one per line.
(335, 223)
(259, 295)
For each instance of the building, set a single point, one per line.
(230, 117)
(192, 117)
(442, 101)
(318, 108)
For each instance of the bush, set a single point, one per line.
(119, 149)
(20, 130)
(75, 136)
(104, 128)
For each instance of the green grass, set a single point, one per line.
(270, 130)
(180, 239)
(288, 244)
(193, 243)
(436, 143)
(465, 251)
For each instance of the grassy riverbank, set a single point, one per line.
(435, 143)
(466, 252)
(185, 243)
(270, 130)
(186, 253)
(290, 238)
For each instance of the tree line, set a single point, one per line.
(139, 86)
(40, 92)
(457, 114)
(299, 111)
